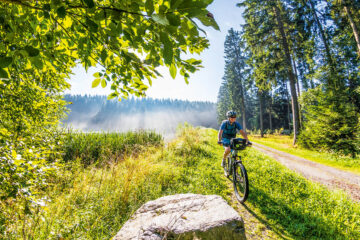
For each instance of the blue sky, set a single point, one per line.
(204, 84)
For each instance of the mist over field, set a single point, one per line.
(95, 113)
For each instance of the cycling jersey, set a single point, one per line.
(229, 130)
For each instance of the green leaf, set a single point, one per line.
(174, 20)
(167, 49)
(37, 62)
(92, 25)
(5, 61)
(103, 55)
(161, 19)
(193, 61)
(173, 70)
(112, 95)
(208, 21)
(89, 3)
(33, 52)
(47, 7)
(175, 3)
(97, 75)
(95, 83)
(103, 83)
(56, 2)
(61, 12)
(3, 73)
(196, 12)
(149, 6)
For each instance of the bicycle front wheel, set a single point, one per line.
(241, 182)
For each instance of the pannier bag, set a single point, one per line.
(238, 143)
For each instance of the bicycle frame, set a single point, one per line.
(233, 161)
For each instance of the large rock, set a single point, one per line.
(184, 216)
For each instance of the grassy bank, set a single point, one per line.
(94, 202)
(284, 143)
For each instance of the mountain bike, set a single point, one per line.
(234, 166)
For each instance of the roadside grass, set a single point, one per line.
(284, 143)
(296, 206)
(92, 202)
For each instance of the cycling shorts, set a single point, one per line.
(226, 142)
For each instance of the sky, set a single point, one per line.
(203, 84)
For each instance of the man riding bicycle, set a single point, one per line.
(227, 131)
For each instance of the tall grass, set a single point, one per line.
(93, 203)
(103, 147)
(284, 143)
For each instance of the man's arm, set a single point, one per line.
(243, 133)
(220, 135)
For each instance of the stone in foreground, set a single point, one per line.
(184, 216)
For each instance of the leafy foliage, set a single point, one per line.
(28, 136)
(40, 43)
(129, 39)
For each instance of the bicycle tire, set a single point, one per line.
(241, 182)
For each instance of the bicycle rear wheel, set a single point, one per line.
(241, 182)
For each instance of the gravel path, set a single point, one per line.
(331, 177)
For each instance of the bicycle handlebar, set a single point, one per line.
(247, 144)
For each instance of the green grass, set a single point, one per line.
(284, 143)
(94, 202)
(296, 207)
(102, 147)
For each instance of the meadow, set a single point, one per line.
(93, 199)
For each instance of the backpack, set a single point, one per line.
(230, 130)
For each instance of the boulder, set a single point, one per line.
(184, 216)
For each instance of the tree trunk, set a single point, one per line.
(294, 99)
(270, 114)
(244, 112)
(288, 107)
(241, 87)
(298, 88)
(261, 114)
(354, 28)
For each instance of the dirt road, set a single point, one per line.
(331, 177)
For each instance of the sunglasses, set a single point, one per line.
(232, 117)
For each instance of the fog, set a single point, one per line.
(161, 116)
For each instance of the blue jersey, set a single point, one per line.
(229, 130)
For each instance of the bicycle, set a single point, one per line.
(234, 166)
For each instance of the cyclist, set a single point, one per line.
(228, 129)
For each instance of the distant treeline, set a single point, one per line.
(97, 113)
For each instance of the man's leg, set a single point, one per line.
(226, 153)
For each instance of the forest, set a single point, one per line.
(294, 65)
(95, 113)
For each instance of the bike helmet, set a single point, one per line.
(231, 113)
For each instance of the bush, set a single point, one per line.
(331, 123)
